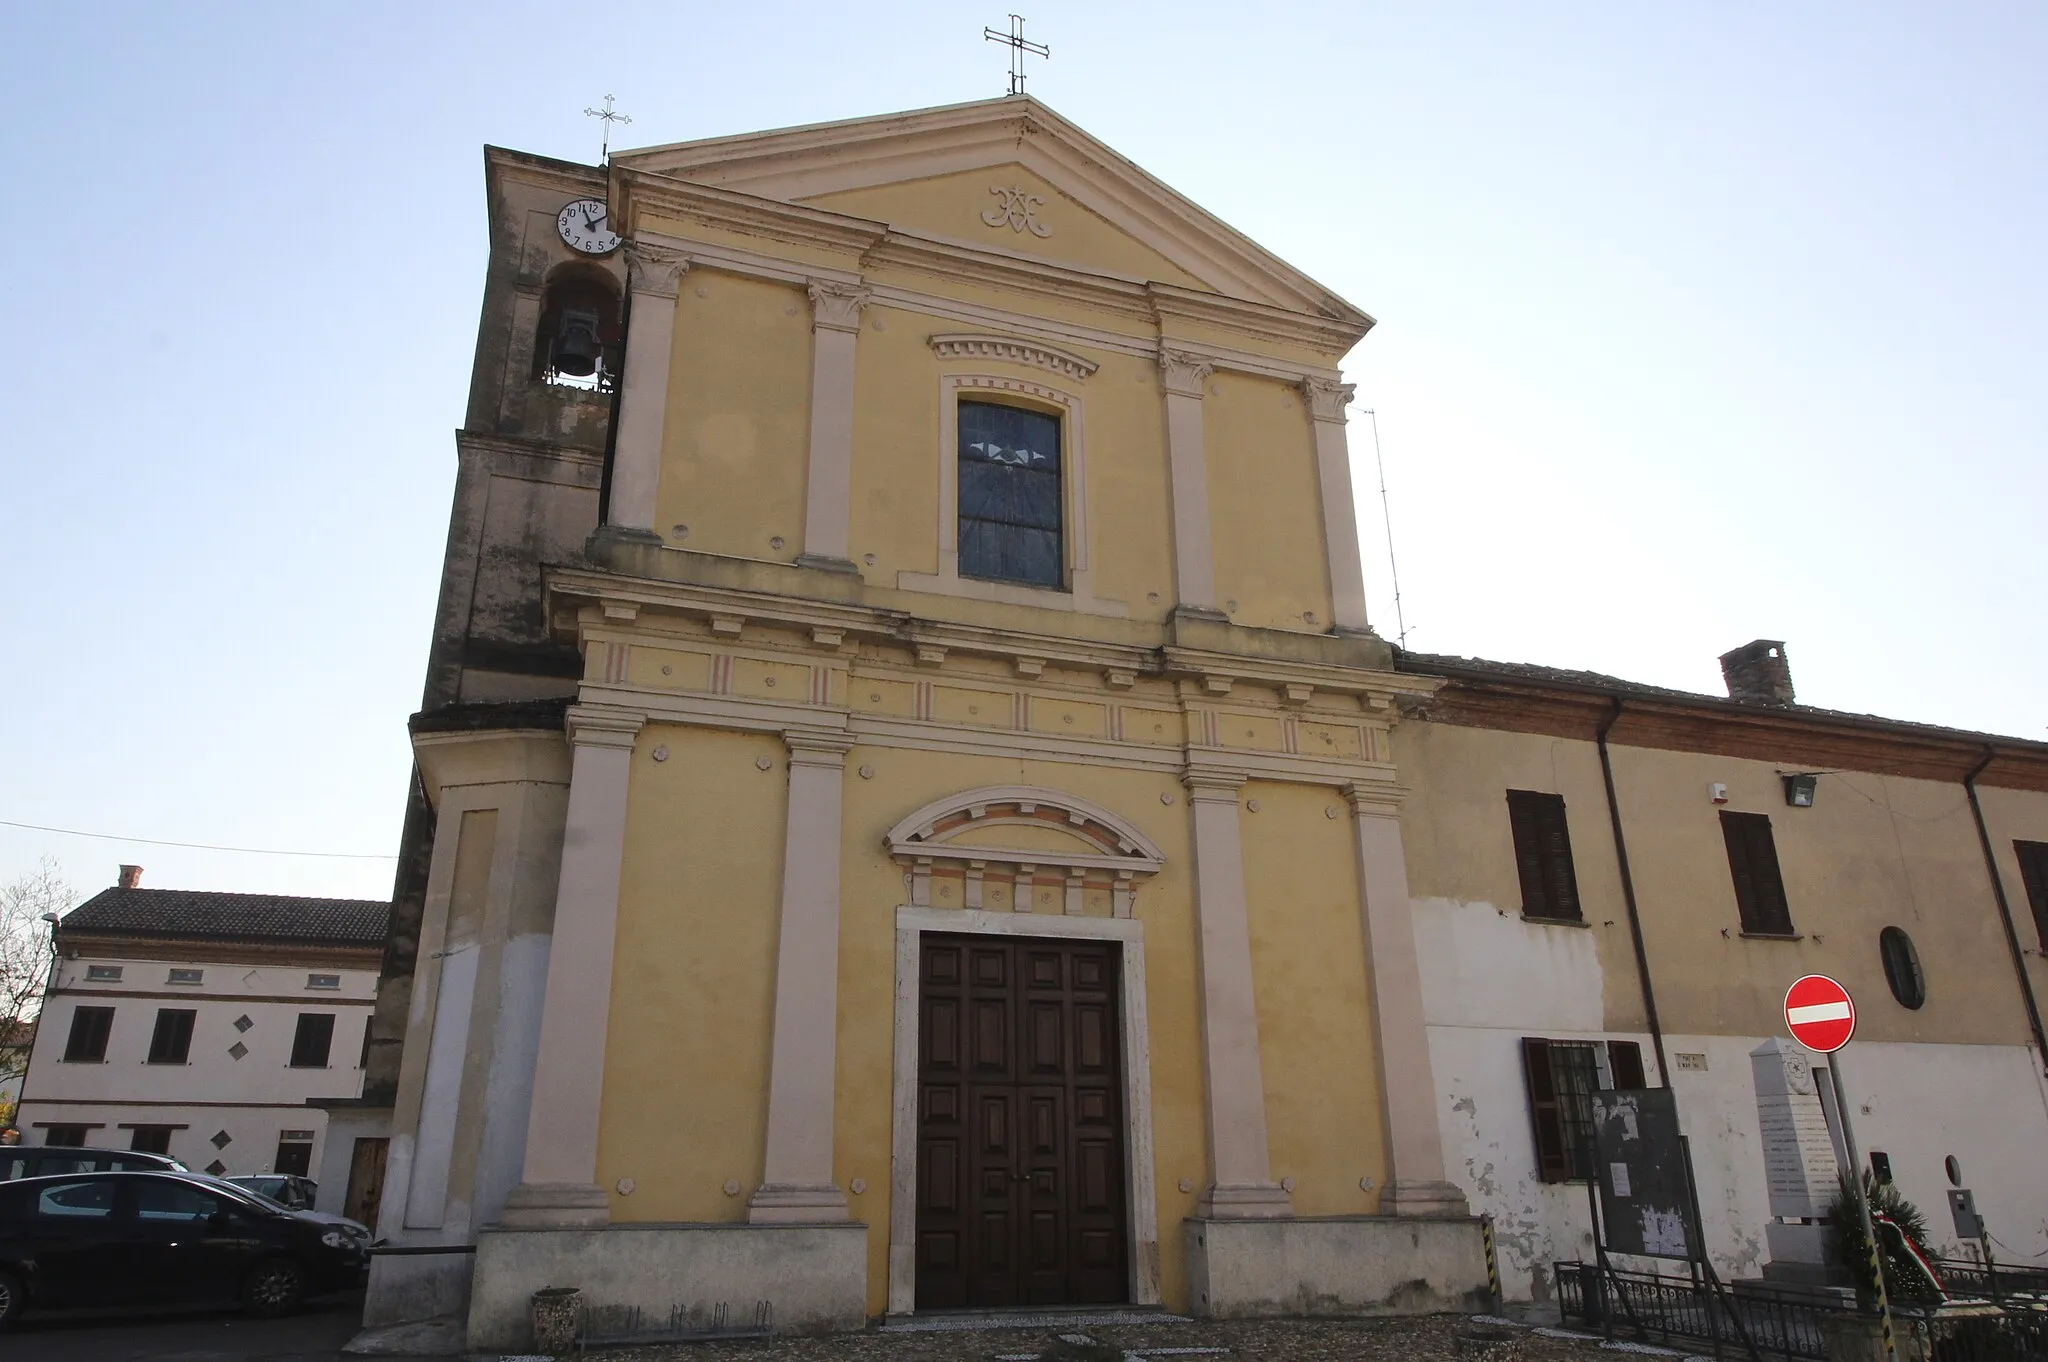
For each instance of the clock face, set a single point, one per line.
(584, 227)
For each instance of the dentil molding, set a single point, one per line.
(958, 345)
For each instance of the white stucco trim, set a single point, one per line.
(911, 922)
(947, 581)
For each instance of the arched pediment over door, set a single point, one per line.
(1003, 842)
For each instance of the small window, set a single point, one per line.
(151, 1139)
(2034, 872)
(90, 1027)
(92, 1200)
(1010, 495)
(312, 1041)
(103, 974)
(171, 1043)
(1562, 1076)
(294, 1153)
(64, 1137)
(1543, 855)
(1902, 967)
(187, 976)
(323, 981)
(1753, 863)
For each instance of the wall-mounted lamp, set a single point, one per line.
(1799, 788)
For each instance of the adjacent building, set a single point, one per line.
(205, 1025)
(1615, 884)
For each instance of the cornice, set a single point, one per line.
(570, 177)
(639, 192)
(76, 943)
(1256, 319)
(1805, 738)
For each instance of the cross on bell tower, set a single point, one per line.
(610, 117)
(1018, 45)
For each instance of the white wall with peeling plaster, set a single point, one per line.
(1491, 979)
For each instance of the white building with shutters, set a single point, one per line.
(204, 1025)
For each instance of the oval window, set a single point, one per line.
(1902, 967)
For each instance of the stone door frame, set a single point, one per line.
(1141, 1196)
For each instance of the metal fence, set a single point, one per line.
(1679, 1311)
(1968, 1277)
(1669, 1309)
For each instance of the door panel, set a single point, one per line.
(1020, 1139)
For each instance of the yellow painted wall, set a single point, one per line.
(1265, 507)
(895, 510)
(736, 439)
(951, 207)
(2020, 815)
(1316, 1040)
(693, 976)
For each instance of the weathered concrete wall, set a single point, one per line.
(812, 1275)
(1337, 1265)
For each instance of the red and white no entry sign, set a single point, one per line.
(1820, 1014)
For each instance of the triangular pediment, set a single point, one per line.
(968, 174)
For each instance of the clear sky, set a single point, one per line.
(1698, 323)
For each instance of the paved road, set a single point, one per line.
(313, 1335)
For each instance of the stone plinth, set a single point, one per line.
(1334, 1265)
(814, 1276)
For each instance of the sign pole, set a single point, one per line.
(1884, 1303)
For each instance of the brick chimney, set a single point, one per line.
(1758, 673)
(131, 877)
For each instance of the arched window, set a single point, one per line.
(577, 344)
(1902, 967)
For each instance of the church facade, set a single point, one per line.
(912, 815)
(972, 846)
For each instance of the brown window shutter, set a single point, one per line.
(1625, 1062)
(1525, 818)
(1543, 854)
(1753, 864)
(2034, 872)
(1551, 1162)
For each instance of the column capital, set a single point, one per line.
(1327, 398)
(1375, 798)
(591, 726)
(1208, 784)
(1184, 374)
(836, 306)
(656, 270)
(817, 747)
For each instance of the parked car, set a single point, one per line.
(246, 1186)
(287, 1189)
(48, 1160)
(159, 1239)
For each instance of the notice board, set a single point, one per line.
(1640, 1167)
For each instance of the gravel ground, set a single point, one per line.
(1423, 1339)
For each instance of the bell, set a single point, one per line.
(577, 348)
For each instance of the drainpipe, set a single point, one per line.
(1628, 897)
(2012, 936)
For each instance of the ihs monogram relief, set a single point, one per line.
(1016, 211)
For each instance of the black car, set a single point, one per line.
(162, 1239)
(48, 1160)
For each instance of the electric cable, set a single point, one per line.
(204, 846)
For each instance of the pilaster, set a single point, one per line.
(796, 1183)
(1185, 378)
(828, 488)
(1241, 1186)
(1416, 1185)
(653, 275)
(558, 1184)
(1326, 402)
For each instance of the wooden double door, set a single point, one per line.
(1020, 1140)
